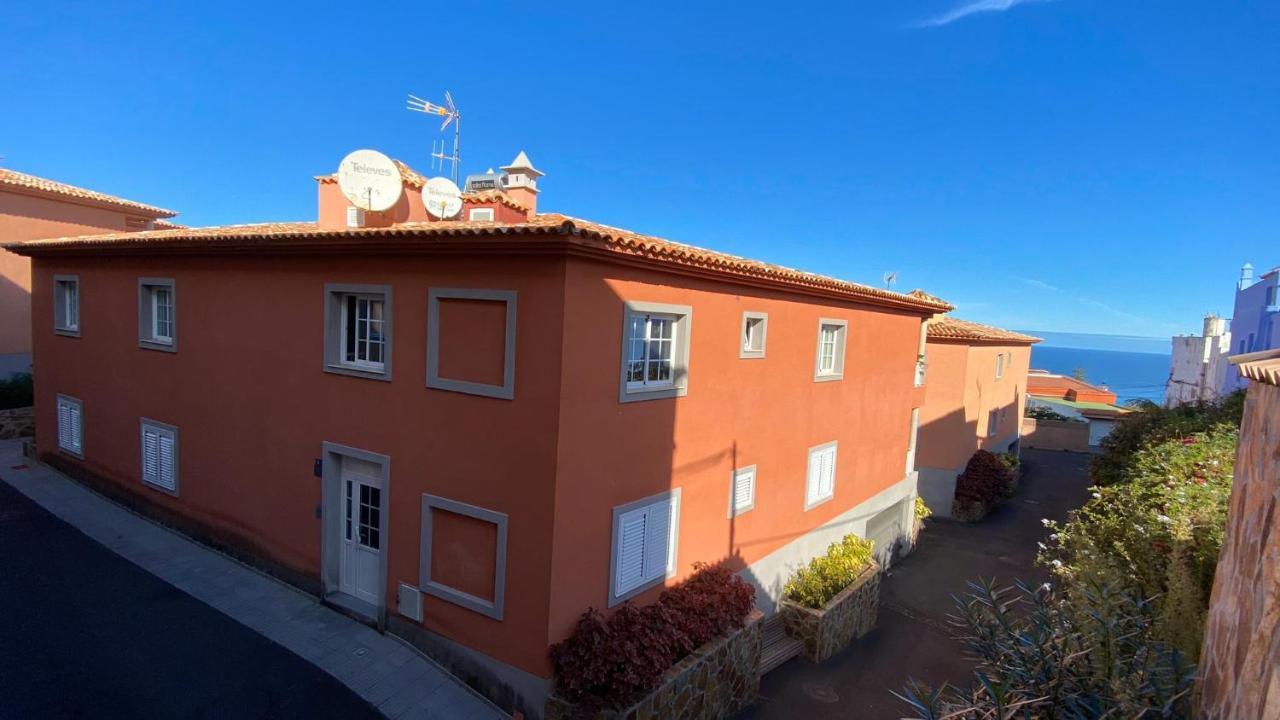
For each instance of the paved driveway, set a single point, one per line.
(87, 634)
(910, 639)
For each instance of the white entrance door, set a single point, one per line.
(360, 574)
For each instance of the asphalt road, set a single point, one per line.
(911, 639)
(86, 634)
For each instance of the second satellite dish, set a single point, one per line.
(370, 180)
(442, 198)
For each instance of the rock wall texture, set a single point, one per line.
(849, 615)
(1240, 663)
(18, 422)
(718, 680)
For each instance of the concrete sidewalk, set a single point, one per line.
(396, 678)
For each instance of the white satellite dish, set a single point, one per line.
(370, 180)
(442, 198)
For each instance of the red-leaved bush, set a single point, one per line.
(985, 480)
(614, 661)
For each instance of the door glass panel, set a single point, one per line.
(369, 518)
(347, 515)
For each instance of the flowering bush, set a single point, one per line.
(922, 511)
(985, 480)
(1043, 656)
(1150, 424)
(614, 661)
(1160, 532)
(826, 575)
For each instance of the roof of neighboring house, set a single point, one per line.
(166, 225)
(953, 328)
(493, 196)
(1088, 409)
(23, 181)
(541, 230)
(1068, 388)
(1262, 366)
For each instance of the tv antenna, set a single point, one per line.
(450, 113)
(890, 278)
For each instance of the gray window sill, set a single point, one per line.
(828, 378)
(353, 371)
(66, 332)
(171, 347)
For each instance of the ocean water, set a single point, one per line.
(1130, 375)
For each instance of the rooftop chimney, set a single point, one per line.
(1246, 276)
(521, 182)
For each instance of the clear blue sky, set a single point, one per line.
(1074, 165)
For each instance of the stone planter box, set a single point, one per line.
(18, 422)
(848, 616)
(718, 680)
(970, 511)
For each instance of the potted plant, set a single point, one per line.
(834, 599)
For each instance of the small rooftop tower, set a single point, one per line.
(1246, 276)
(521, 182)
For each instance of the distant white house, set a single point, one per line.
(1198, 364)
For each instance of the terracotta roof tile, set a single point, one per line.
(488, 196)
(411, 177)
(952, 328)
(12, 178)
(1261, 366)
(580, 232)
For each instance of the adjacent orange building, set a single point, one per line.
(977, 394)
(33, 207)
(470, 431)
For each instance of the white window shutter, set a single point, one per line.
(811, 484)
(73, 415)
(828, 472)
(744, 486)
(631, 550)
(64, 424)
(166, 474)
(657, 551)
(150, 455)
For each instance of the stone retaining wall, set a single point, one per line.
(718, 680)
(848, 616)
(18, 422)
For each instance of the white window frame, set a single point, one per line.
(349, 356)
(149, 335)
(681, 317)
(840, 330)
(993, 422)
(754, 336)
(812, 496)
(650, 577)
(480, 215)
(912, 439)
(335, 330)
(66, 299)
(70, 416)
(737, 508)
(155, 477)
(1001, 361)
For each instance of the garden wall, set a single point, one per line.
(1239, 669)
(849, 615)
(18, 422)
(718, 680)
(1055, 435)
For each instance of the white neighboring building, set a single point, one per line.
(1198, 364)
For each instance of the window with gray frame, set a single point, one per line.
(655, 351)
(358, 328)
(1001, 360)
(829, 362)
(157, 314)
(742, 491)
(66, 305)
(645, 537)
(70, 429)
(755, 327)
(820, 483)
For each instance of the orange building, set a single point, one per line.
(471, 431)
(32, 207)
(1093, 404)
(977, 393)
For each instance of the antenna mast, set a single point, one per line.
(890, 278)
(450, 113)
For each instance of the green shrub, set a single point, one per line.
(16, 392)
(1041, 655)
(1149, 424)
(826, 575)
(1010, 460)
(922, 511)
(1160, 532)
